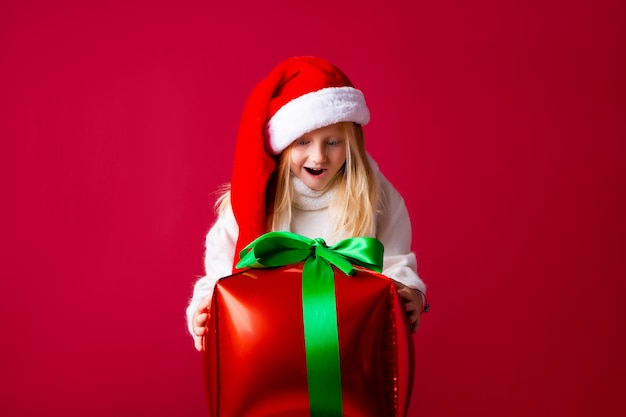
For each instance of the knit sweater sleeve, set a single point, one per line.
(394, 231)
(218, 259)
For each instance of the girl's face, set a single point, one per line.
(317, 156)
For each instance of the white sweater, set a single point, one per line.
(310, 217)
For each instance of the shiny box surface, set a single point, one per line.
(255, 362)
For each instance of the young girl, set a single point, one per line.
(300, 165)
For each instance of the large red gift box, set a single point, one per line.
(255, 355)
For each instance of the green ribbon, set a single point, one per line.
(319, 305)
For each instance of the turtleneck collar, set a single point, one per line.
(307, 199)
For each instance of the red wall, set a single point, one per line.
(502, 123)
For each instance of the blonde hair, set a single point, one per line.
(223, 199)
(355, 201)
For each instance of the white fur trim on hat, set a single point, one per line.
(315, 110)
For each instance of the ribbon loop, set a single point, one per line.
(283, 248)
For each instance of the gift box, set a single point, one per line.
(317, 337)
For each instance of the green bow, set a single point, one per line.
(319, 306)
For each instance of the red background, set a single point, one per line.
(502, 123)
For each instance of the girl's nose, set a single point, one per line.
(318, 154)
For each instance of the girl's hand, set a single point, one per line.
(413, 304)
(200, 320)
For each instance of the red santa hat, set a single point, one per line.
(299, 95)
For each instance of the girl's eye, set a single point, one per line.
(333, 142)
(302, 142)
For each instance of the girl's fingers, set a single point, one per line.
(199, 331)
(198, 342)
(412, 305)
(414, 324)
(412, 314)
(200, 320)
(200, 324)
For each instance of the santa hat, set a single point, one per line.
(298, 96)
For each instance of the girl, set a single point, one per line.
(300, 165)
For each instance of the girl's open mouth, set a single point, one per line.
(314, 171)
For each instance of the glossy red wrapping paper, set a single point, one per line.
(255, 363)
